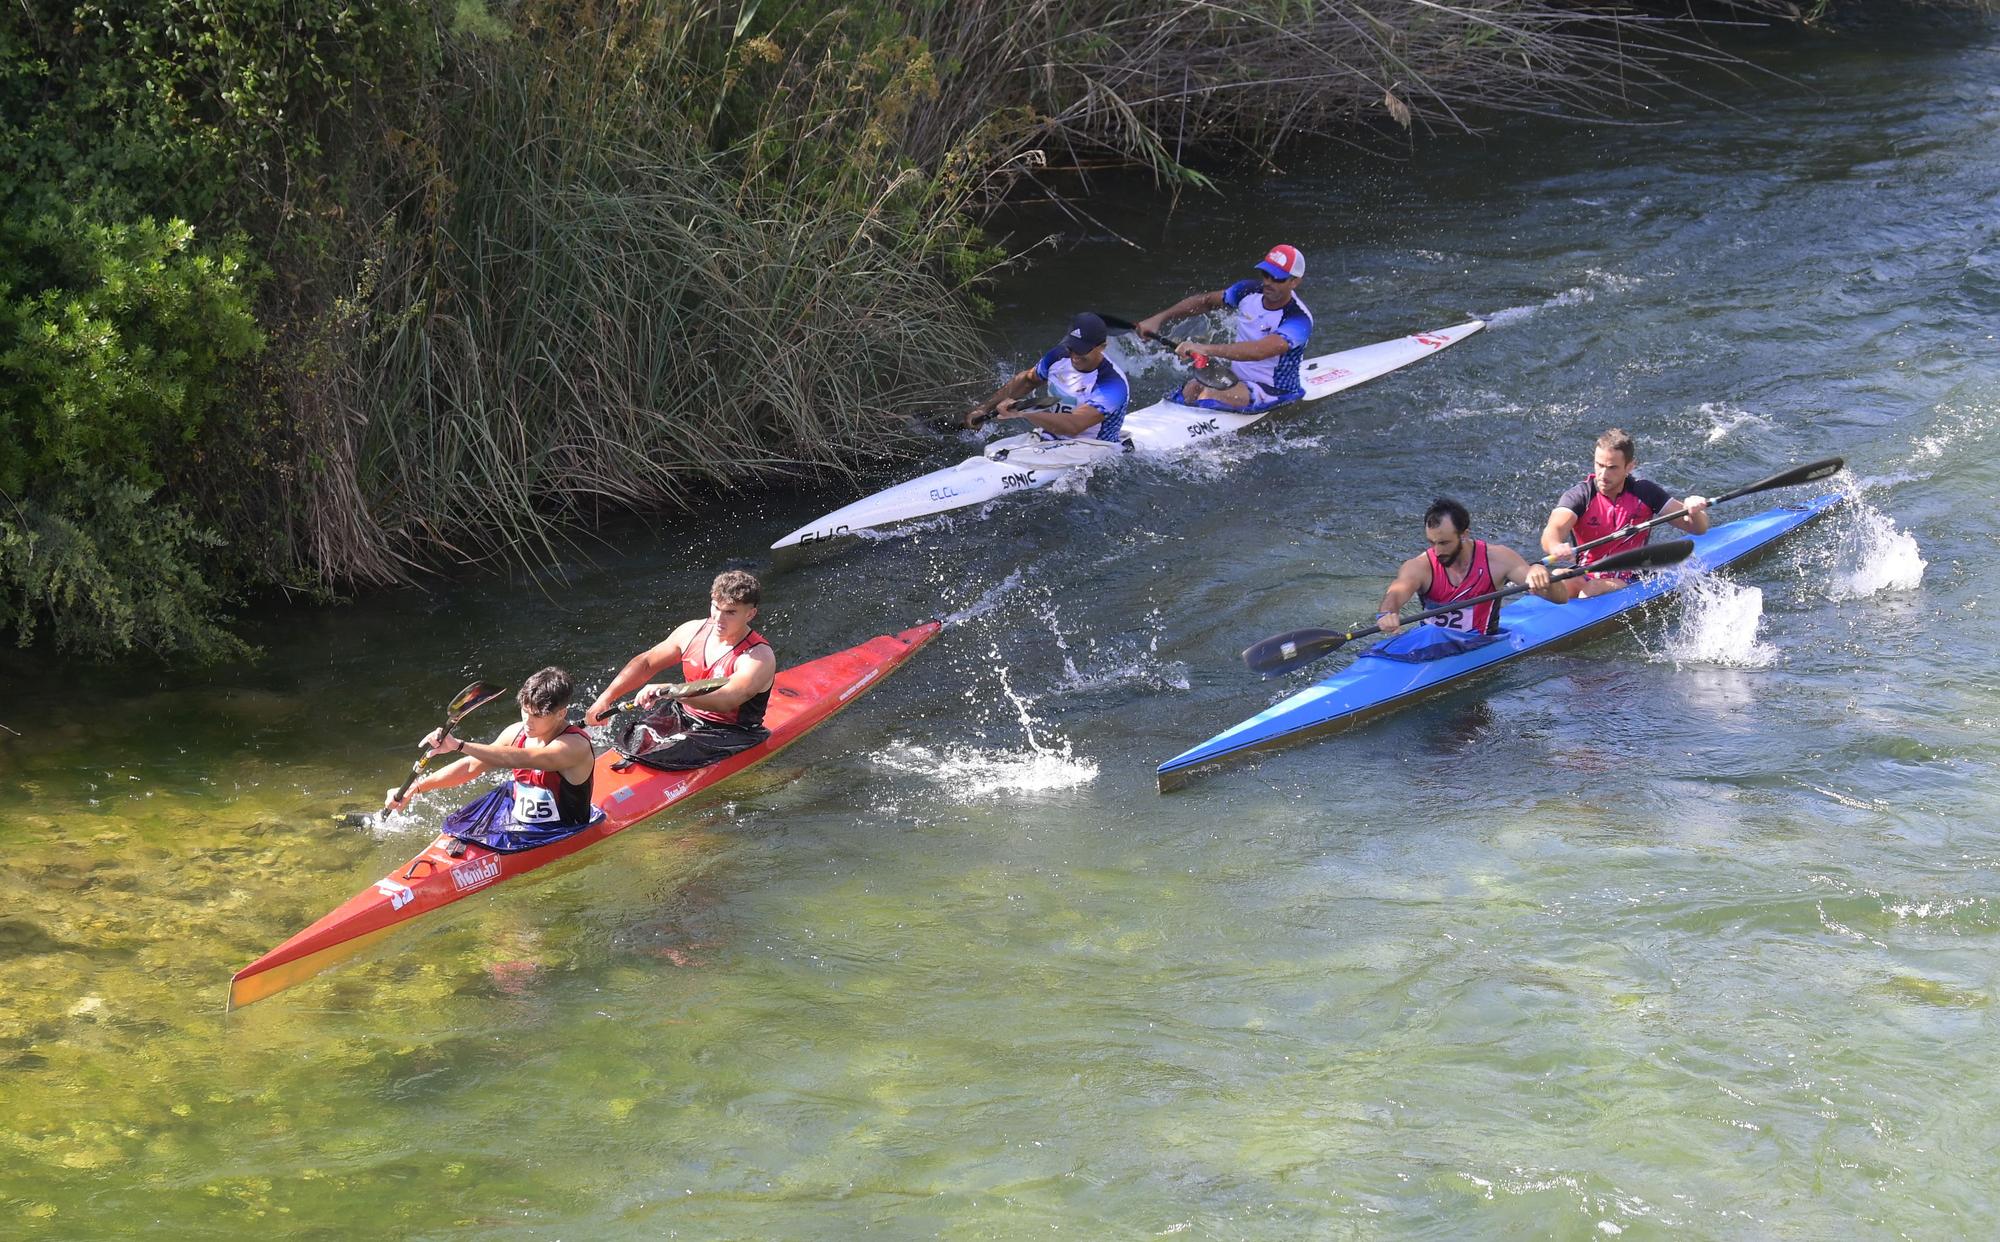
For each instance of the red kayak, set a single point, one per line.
(802, 698)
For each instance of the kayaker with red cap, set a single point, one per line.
(1456, 568)
(1610, 499)
(685, 730)
(1089, 386)
(1272, 327)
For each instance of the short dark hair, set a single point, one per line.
(1618, 442)
(737, 586)
(547, 691)
(1445, 507)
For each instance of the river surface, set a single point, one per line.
(1689, 931)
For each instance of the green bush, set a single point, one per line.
(117, 347)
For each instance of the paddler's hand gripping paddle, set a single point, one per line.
(677, 690)
(468, 700)
(1210, 373)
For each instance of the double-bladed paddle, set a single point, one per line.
(1281, 653)
(677, 690)
(1020, 408)
(463, 704)
(1811, 472)
(1209, 372)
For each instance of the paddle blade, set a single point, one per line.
(1213, 373)
(1281, 653)
(1811, 472)
(677, 690)
(474, 696)
(1652, 556)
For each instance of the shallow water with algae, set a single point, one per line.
(1688, 931)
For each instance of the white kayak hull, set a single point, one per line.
(1024, 464)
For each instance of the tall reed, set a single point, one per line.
(603, 315)
(636, 256)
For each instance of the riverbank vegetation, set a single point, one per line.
(320, 298)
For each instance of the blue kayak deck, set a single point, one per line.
(1371, 686)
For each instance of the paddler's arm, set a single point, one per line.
(1021, 385)
(451, 775)
(1556, 536)
(754, 672)
(1193, 304)
(1410, 580)
(1518, 572)
(1691, 514)
(639, 670)
(1077, 422)
(559, 754)
(1268, 346)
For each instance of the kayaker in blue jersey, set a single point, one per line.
(683, 731)
(1608, 500)
(1455, 568)
(1272, 326)
(1090, 386)
(552, 762)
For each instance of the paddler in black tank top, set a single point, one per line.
(1462, 561)
(681, 730)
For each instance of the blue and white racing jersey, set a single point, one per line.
(1104, 389)
(1254, 321)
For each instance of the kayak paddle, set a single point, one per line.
(1020, 408)
(677, 690)
(1213, 373)
(463, 704)
(1811, 472)
(1281, 653)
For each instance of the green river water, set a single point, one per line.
(1689, 932)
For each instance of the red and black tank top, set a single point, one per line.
(748, 714)
(547, 799)
(1481, 618)
(1598, 515)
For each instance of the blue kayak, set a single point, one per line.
(1414, 662)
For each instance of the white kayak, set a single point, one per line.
(1027, 462)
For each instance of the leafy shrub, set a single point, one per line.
(117, 343)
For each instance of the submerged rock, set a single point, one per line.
(24, 938)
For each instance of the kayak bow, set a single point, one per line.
(1373, 685)
(802, 698)
(1024, 463)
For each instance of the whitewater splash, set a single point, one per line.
(1211, 459)
(1576, 295)
(985, 603)
(969, 774)
(972, 774)
(1725, 419)
(1123, 667)
(1718, 626)
(1874, 556)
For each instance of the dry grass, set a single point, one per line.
(635, 255)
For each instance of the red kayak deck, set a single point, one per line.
(802, 698)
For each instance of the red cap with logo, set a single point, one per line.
(1283, 263)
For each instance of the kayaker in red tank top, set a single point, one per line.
(1612, 499)
(1479, 567)
(697, 665)
(683, 730)
(1477, 580)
